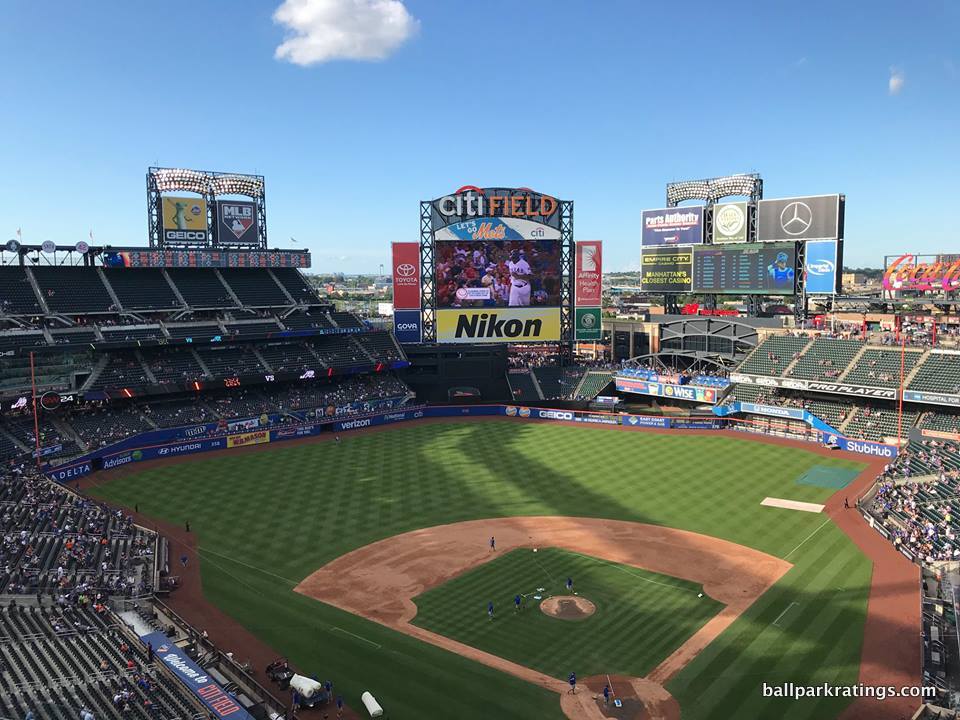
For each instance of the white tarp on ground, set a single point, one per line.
(792, 505)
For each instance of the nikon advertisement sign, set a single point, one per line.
(588, 326)
(498, 325)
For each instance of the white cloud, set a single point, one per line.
(896, 82)
(324, 30)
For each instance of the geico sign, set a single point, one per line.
(185, 234)
(555, 415)
(476, 203)
(354, 424)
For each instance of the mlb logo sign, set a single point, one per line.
(238, 221)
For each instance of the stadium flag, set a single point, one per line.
(406, 276)
(589, 269)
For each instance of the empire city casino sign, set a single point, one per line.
(906, 273)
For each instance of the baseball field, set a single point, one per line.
(368, 561)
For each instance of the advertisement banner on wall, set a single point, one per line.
(236, 222)
(588, 325)
(817, 217)
(934, 398)
(679, 392)
(183, 219)
(406, 275)
(672, 226)
(221, 704)
(666, 269)
(820, 268)
(407, 326)
(251, 438)
(730, 222)
(499, 325)
(589, 270)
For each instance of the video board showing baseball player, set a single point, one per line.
(498, 273)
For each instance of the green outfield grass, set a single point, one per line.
(641, 617)
(266, 520)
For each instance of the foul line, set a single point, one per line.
(629, 572)
(780, 616)
(203, 551)
(358, 637)
(806, 538)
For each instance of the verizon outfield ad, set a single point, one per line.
(589, 273)
(406, 276)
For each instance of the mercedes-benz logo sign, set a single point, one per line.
(796, 218)
(406, 270)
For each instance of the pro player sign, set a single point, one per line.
(236, 223)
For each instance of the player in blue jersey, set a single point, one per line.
(780, 271)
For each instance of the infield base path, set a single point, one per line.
(380, 580)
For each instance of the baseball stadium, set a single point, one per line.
(224, 496)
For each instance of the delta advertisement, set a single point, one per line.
(672, 226)
(498, 325)
(677, 392)
(406, 276)
(589, 271)
(730, 223)
(194, 678)
(183, 219)
(237, 223)
(820, 268)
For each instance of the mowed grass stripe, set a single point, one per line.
(295, 507)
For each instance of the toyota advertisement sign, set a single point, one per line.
(818, 217)
(820, 267)
(407, 326)
(406, 276)
(672, 226)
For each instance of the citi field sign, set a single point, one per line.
(471, 202)
(907, 273)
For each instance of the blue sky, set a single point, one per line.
(602, 102)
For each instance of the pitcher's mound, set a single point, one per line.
(568, 607)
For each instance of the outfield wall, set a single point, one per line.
(255, 431)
